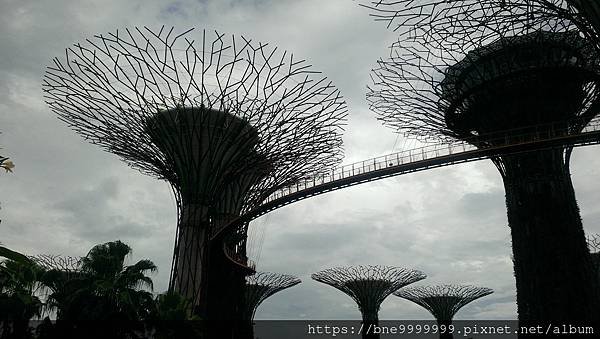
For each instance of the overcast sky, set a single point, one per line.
(66, 195)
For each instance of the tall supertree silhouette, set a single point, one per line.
(368, 286)
(492, 73)
(443, 301)
(223, 119)
(259, 287)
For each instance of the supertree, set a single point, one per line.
(593, 242)
(57, 262)
(259, 287)
(495, 73)
(225, 121)
(443, 301)
(368, 286)
(58, 277)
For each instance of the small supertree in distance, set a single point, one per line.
(58, 276)
(224, 119)
(57, 262)
(259, 287)
(594, 246)
(369, 286)
(443, 301)
(493, 74)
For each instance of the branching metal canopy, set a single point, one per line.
(368, 285)
(262, 285)
(443, 301)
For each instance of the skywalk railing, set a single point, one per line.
(418, 159)
(542, 132)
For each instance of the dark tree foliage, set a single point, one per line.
(224, 119)
(443, 301)
(98, 295)
(368, 286)
(18, 300)
(490, 72)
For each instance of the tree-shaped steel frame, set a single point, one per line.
(593, 242)
(487, 72)
(368, 285)
(420, 18)
(434, 35)
(226, 121)
(261, 286)
(443, 301)
(57, 274)
(57, 262)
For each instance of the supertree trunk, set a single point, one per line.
(446, 325)
(370, 320)
(191, 251)
(225, 289)
(258, 287)
(545, 223)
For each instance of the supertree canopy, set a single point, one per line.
(261, 286)
(57, 262)
(225, 120)
(446, 63)
(490, 73)
(368, 286)
(443, 301)
(59, 275)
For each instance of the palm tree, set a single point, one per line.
(172, 306)
(171, 317)
(110, 290)
(18, 286)
(98, 295)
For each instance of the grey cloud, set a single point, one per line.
(66, 195)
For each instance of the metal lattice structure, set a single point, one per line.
(368, 286)
(261, 286)
(225, 120)
(593, 242)
(443, 301)
(57, 262)
(441, 45)
(58, 278)
(487, 72)
(421, 17)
